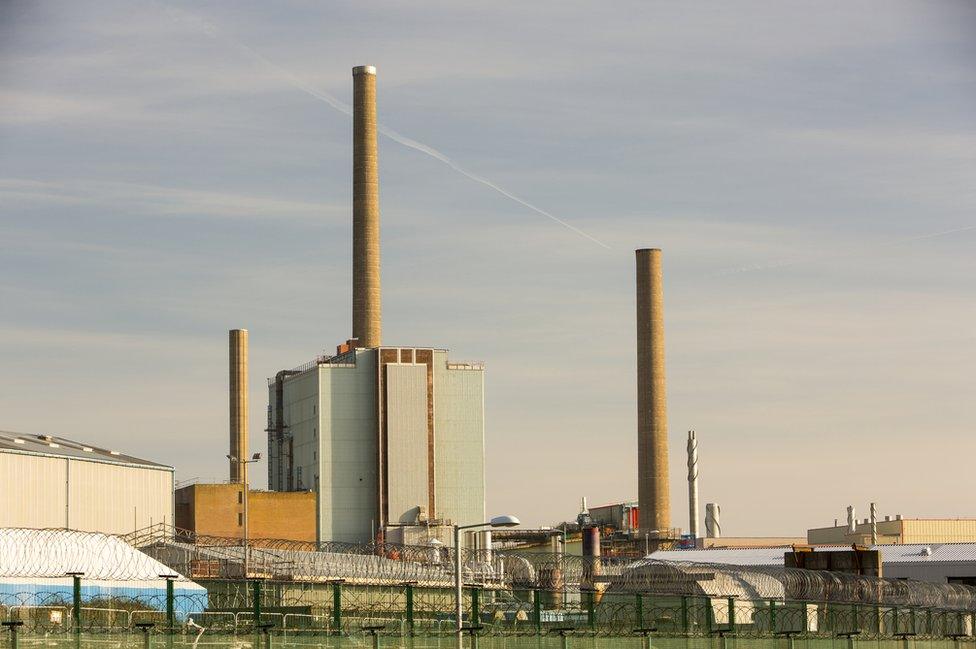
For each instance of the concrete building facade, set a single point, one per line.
(390, 438)
(218, 510)
(52, 482)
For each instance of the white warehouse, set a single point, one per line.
(52, 482)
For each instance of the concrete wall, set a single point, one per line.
(459, 434)
(407, 447)
(41, 491)
(218, 510)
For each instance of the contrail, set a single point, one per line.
(212, 31)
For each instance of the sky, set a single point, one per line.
(169, 170)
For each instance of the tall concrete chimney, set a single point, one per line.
(238, 402)
(366, 317)
(653, 489)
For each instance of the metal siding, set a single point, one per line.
(32, 491)
(41, 492)
(117, 499)
(347, 450)
(459, 442)
(406, 416)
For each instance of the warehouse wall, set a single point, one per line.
(39, 492)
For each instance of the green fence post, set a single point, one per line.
(772, 616)
(591, 609)
(409, 593)
(537, 611)
(337, 607)
(731, 615)
(684, 613)
(640, 611)
(256, 604)
(928, 621)
(708, 615)
(76, 599)
(877, 619)
(894, 620)
(475, 608)
(170, 603)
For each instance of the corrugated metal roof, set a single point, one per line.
(769, 557)
(55, 446)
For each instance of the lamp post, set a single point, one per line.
(498, 521)
(243, 473)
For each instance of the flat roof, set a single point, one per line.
(56, 446)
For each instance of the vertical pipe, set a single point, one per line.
(653, 494)
(713, 523)
(874, 525)
(537, 611)
(238, 402)
(366, 322)
(692, 484)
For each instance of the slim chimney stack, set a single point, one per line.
(713, 522)
(653, 491)
(692, 484)
(238, 401)
(366, 316)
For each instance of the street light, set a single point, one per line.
(242, 471)
(498, 521)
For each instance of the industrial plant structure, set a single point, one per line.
(390, 438)
(49, 481)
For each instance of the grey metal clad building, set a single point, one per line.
(53, 482)
(391, 439)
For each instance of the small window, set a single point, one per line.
(240, 519)
(313, 408)
(240, 497)
(315, 455)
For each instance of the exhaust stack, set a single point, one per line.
(692, 484)
(713, 522)
(238, 401)
(653, 490)
(366, 316)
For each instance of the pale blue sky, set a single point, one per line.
(808, 169)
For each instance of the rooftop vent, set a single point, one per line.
(114, 453)
(926, 551)
(87, 449)
(17, 440)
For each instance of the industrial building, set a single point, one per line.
(390, 438)
(52, 482)
(953, 563)
(897, 530)
(232, 510)
(218, 510)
